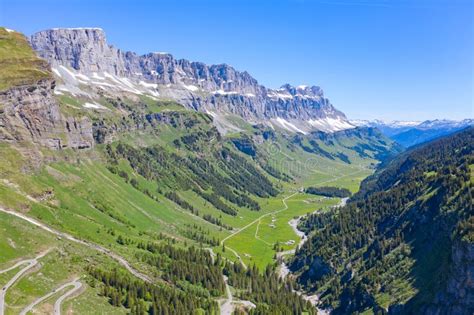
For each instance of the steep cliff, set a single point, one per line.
(457, 296)
(28, 109)
(217, 89)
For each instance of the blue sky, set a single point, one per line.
(389, 59)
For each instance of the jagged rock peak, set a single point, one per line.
(313, 90)
(219, 89)
(83, 49)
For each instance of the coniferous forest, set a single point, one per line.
(392, 246)
(135, 182)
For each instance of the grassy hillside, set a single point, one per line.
(392, 244)
(133, 192)
(63, 262)
(164, 196)
(20, 65)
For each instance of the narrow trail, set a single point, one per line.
(57, 304)
(30, 264)
(238, 256)
(30, 307)
(258, 237)
(261, 217)
(227, 308)
(69, 237)
(22, 262)
(227, 305)
(285, 206)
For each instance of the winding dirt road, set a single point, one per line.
(22, 262)
(227, 308)
(30, 264)
(69, 237)
(285, 206)
(57, 305)
(47, 296)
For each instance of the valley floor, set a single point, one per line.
(31, 283)
(254, 243)
(83, 214)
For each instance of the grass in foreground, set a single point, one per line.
(20, 65)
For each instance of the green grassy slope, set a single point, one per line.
(64, 261)
(161, 188)
(20, 65)
(87, 194)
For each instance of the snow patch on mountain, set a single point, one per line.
(403, 124)
(85, 64)
(93, 106)
(191, 88)
(70, 81)
(379, 122)
(288, 126)
(330, 124)
(279, 94)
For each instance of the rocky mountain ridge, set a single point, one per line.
(402, 124)
(217, 89)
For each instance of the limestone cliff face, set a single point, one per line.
(87, 50)
(209, 88)
(31, 113)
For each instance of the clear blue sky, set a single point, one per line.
(389, 59)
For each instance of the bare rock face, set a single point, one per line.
(214, 88)
(458, 295)
(31, 113)
(85, 50)
(79, 133)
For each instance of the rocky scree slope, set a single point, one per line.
(217, 89)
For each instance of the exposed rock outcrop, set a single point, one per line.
(217, 89)
(31, 113)
(458, 295)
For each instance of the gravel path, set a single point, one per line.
(30, 307)
(69, 237)
(30, 264)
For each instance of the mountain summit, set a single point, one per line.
(84, 61)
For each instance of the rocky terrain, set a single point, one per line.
(29, 112)
(458, 295)
(83, 57)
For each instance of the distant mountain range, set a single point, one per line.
(86, 66)
(410, 133)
